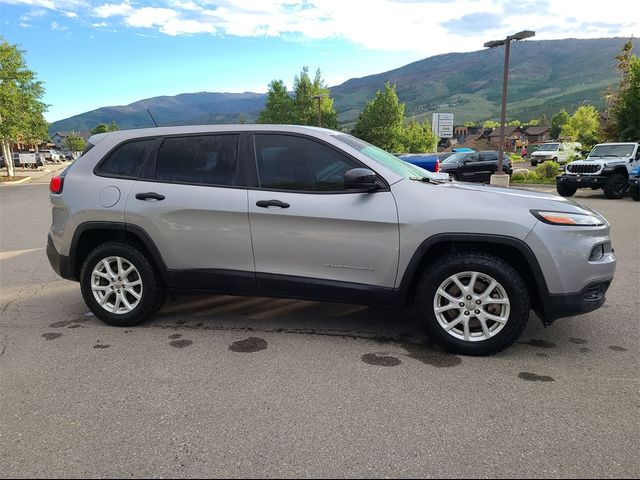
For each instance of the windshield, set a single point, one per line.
(385, 159)
(456, 157)
(548, 147)
(612, 151)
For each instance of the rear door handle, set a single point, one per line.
(271, 203)
(149, 196)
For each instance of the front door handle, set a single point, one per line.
(149, 196)
(271, 203)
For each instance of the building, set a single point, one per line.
(511, 134)
(537, 134)
(59, 137)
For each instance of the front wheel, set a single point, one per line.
(635, 193)
(120, 286)
(615, 186)
(472, 303)
(565, 190)
(534, 163)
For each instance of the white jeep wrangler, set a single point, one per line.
(607, 167)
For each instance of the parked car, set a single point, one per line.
(475, 166)
(608, 166)
(559, 152)
(428, 161)
(634, 183)
(27, 160)
(300, 212)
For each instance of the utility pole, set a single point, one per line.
(319, 98)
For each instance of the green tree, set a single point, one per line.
(623, 116)
(306, 96)
(302, 109)
(74, 143)
(469, 124)
(21, 107)
(583, 125)
(490, 124)
(279, 108)
(380, 123)
(104, 128)
(558, 121)
(418, 138)
(515, 123)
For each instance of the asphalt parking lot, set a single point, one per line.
(220, 386)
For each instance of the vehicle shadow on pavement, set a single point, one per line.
(257, 314)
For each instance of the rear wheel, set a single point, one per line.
(120, 286)
(615, 186)
(565, 190)
(473, 303)
(635, 193)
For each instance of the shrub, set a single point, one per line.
(547, 170)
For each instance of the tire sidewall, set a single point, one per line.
(490, 265)
(147, 275)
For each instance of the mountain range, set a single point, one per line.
(544, 77)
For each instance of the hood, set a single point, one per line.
(518, 198)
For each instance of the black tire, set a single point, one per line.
(153, 292)
(534, 163)
(615, 186)
(565, 190)
(454, 176)
(635, 193)
(486, 264)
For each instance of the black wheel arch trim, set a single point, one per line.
(123, 228)
(422, 251)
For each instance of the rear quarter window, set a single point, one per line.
(127, 160)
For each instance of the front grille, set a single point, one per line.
(582, 168)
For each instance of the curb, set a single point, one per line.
(17, 182)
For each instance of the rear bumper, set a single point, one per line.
(60, 263)
(582, 181)
(553, 307)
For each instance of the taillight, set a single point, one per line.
(437, 169)
(55, 185)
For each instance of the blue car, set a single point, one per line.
(634, 183)
(428, 161)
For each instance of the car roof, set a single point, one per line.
(195, 129)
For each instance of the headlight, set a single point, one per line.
(565, 218)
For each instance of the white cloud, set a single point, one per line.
(58, 28)
(426, 27)
(113, 9)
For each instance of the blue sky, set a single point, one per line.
(115, 52)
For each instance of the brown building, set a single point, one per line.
(511, 134)
(537, 134)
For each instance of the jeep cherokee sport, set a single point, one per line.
(303, 212)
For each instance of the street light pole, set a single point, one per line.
(500, 178)
(319, 98)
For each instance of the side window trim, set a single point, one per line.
(253, 181)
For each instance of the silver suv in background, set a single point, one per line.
(303, 212)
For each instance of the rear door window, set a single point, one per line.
(127, 160)
(201, 160)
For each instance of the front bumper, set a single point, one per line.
(582, 181)
(61, 264)
(553, 307)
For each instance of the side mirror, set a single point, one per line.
(360, 179)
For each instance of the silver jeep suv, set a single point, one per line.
(302, 212)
